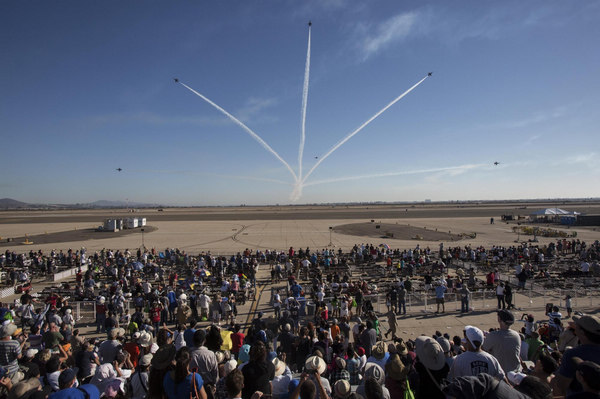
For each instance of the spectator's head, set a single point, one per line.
(199, 337)
(473, 338)
(342, 389)
(244, 354)
(535, 388)
(182, 362)
(587, 328)
(258, 352)
(505, 318)
(67, 378)
(234, 383)
(430, 353)
(340, 363)
(373, 389)
(588, 374)
(308, 390)
(375, 371)
(52, 365)
(546, 364)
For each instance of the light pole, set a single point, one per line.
(330, 241)
(143, 246)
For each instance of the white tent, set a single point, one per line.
(551, 214)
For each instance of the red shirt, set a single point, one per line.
(237, 340)
(134, 352)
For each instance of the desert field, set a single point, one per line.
(225, 230)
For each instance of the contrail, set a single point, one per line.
(406, 172)
(348, 137)
(243, 126)
(304, 102)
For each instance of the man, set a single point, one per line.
(588, 375)
(188, 334)
(440, 290)
(204, 302)
(368, 338)
(401, 299)
(10, 351)
(505, 344)
(464, 297)
(587, 330)
(108, 349)
(277, 304)
(475, 361)
(202, 360)
(234, 383)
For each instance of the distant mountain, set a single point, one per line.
(9, 203)
(119, 204)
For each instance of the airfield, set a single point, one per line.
(227, 230)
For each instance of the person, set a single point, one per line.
(475, 361)
(587, 330)
(10, 351)
(393, 324)
(237, 340)
(162, 363)
(368, 338)
(568, 306)
(431, 367)
(465, 294)
(139, 379)
(508, 296)
(505, 344)
(588, 375)
(203, 360)
(277, 304)
(108, 349)
(500, 295)
(401, 299)
(181, 383)
(375, 374)
(234, 384)
(258, 372)
(440, 290)
(315, 367)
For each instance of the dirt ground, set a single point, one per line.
(395, 231)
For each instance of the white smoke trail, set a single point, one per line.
(246, 128)
(459, 169)
(348, 137)
(304, 102)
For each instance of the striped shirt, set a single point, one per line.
(9, 353)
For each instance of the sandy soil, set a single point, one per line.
(228, 230)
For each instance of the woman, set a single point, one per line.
(214, 340)
(162, 364)
(258, 372)
(180, 383)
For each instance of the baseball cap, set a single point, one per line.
(474, 334)
(430, 353)
(67, 376)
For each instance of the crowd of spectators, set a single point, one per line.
(166, 327)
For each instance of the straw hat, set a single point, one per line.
(374, 370)
(430, 353)
(395, 369)
(279, 367)
(340, 363)
(342, 389)
(315, 363)
(379, 350)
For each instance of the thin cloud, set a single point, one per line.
(535, 118)
(450, 170)
(395, 29)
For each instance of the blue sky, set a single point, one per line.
(87, 86)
